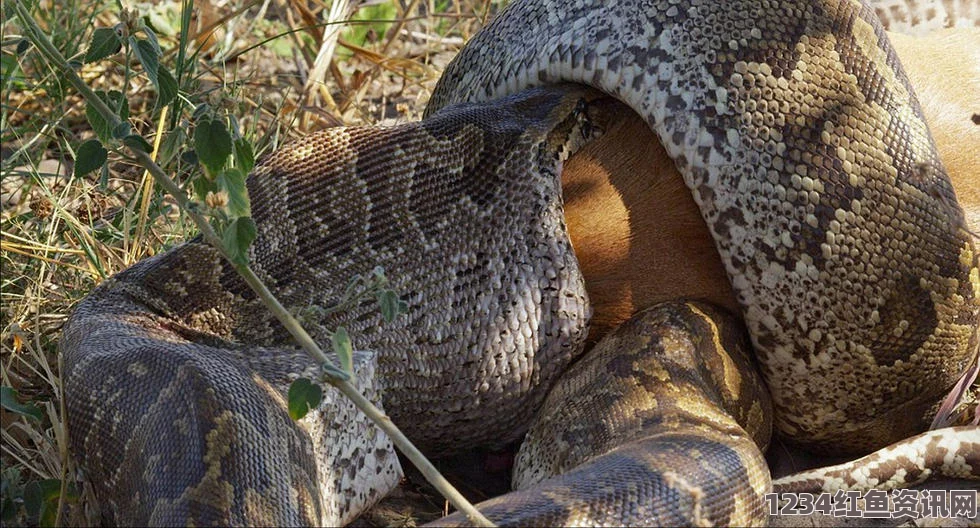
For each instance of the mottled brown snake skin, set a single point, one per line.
(803, 145)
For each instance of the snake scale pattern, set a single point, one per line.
(803, 145)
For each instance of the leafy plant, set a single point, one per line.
(29, 499)
(8, 400)
(378, 18)
(359, 289)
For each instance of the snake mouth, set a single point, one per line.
(637, 233)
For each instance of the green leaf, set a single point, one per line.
(32, 499)
(359, 33)
(118, 102)
(212, 143)
(200, 112)
(46, 489)
(104, 178)
(232, 181)
(8, 400)
(238, 236)
(41, 500)
(236, 130)
(99, 125)
(148, 57)
(8, 509)
(50, 492)
(390, 305)
(167, 88)
(122, 130)
(172, 145)
(189, 157)
(303, 396)
(90, 156)
(48, 514)
(115, 100)
(71, 492)
(10, 489)
(10, 73)
(201, 185)
(137, 142)
(105, 43)
(244, 157)
(151, 37)
(344, 349)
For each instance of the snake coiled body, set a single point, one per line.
(802, 143)
(495, 314)
(787, 120)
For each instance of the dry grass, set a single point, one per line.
(61, 236)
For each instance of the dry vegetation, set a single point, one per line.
(271, 64)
